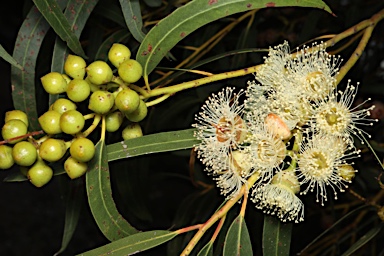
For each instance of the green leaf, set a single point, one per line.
(134, 244)
(7, 57)
(207, 250)
(27, 47)
(195, 14)
(72, 212)
(77, 14)
(363, 240)
(116, 37)
(100, 200)
(154, 143)
(276, 236)
(337, 223)
(237, 241)
(17, 176)
(55, 17)
(132, 15)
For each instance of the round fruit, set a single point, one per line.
(24, 153)
(130, 71)
(127, 101)
(16, 114)
(62, 105)
(78, 90)
(82, 149)
(101, 102)
(75, 168)
(14, 128)
(72, 122)
(99, 72)
(95, 87)
(118, 53)
(52, 150)
(54, 83)
(40, 174)
(113, 121)
(139, 114)
(6, 159)
(50, 122)
(66, 78)
(74, 66)
(132, 131)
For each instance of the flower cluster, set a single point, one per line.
(294, 129)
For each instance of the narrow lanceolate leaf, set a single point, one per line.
(154, 143)
(195, 14)
(207, 250)
(55, 17)
(132, 15)
(103, 208)
(276, 236)
(27, 47)
(7, 57)
(363, 240)
(133, 244)
(77, 14)
(72, 213)
(237, 241)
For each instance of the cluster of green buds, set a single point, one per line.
(95, 88)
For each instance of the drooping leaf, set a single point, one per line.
(7, 57)
(153, 3)
(195, 14)
(237, 240)
(276, 236)
(116, 37)
(207, 250)
(337, 223)
(72, 212)
(27, 47)
(56, 19)
(159, 142)
(111, 10)
(100, 200)
(77, 14)
(132, 15)
(133, 244)
(363, 240)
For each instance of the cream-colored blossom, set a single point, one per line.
(336, 116)
(278, 198)
(319, 159)
(220, 128)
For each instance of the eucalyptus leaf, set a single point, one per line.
(276, 236)
(132, 15)
(103, 208)
(363, 240)
(7, 57)
(133, 244)
(154, 143)
(207, 250)
(195, 14)
(237, 241)
(27, 46)
(56, 19)
(77, 14)
(72, 213)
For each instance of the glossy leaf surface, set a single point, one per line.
(276, 236)
(195, 14)
(100, 200)
(237, 241)
(133, 244)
